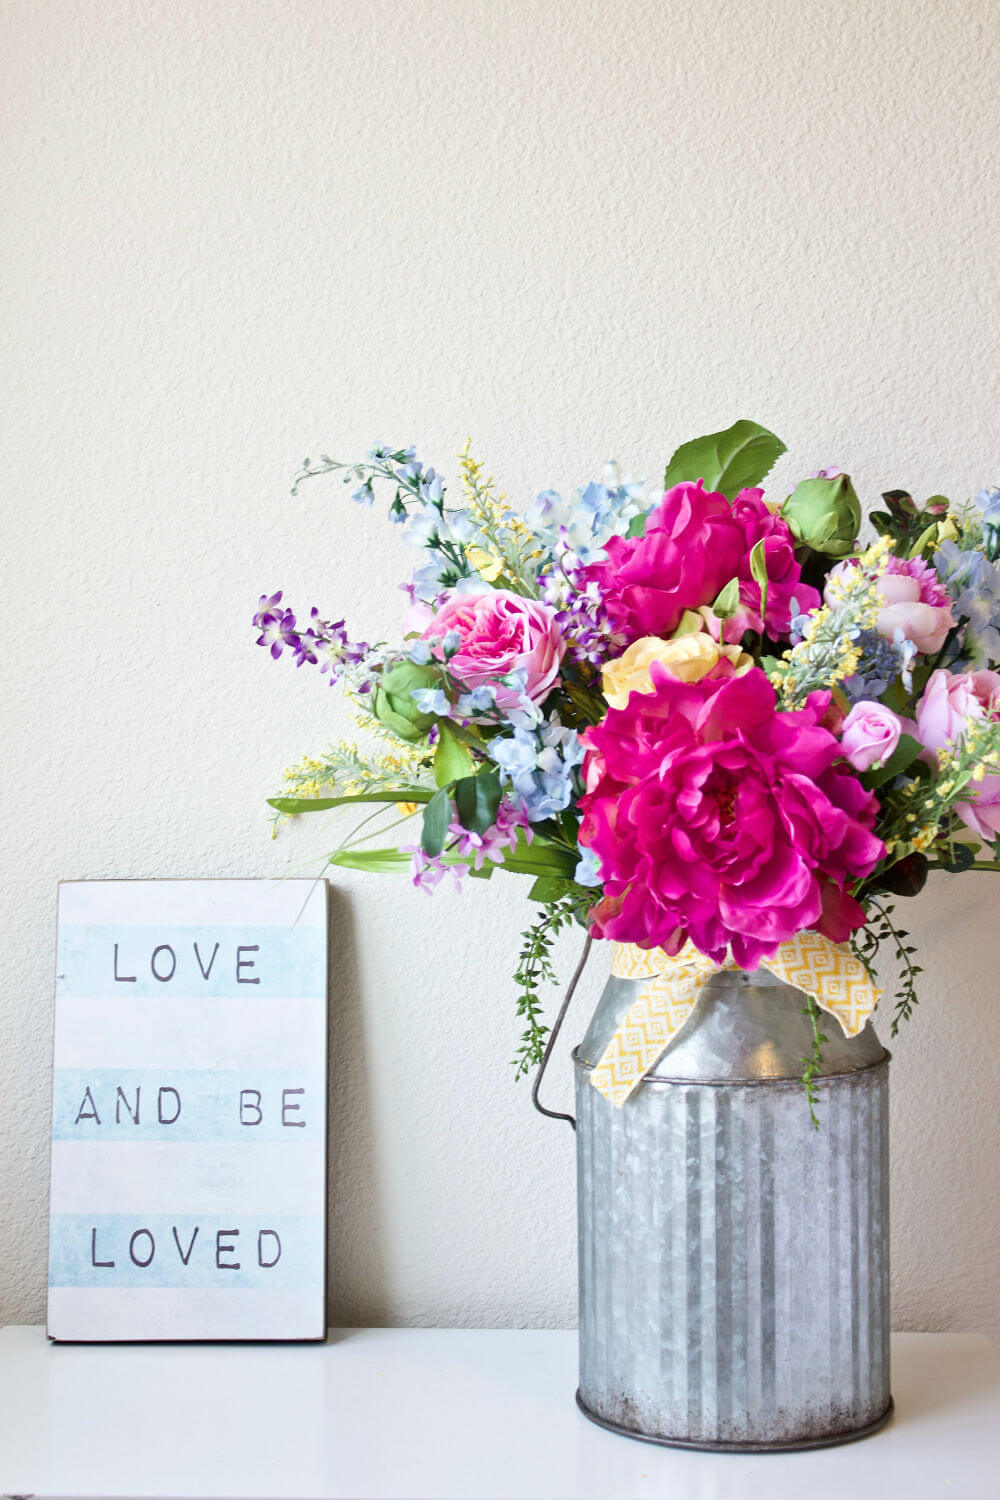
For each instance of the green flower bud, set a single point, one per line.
(393, 702)
(824, 514)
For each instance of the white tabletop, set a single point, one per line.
(440, 1414)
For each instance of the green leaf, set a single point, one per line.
(962, 857)
(539, 858)
(549, 888)
(908, 876)
(295, 805)
(758, 572)
(727, 461)
(637, 526)
(476, 801)
(727, 600)
(451, 758)
(437, 818)
(905, 753)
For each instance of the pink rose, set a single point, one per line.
(870, 735)
(949, 702)
(983, 814)
(500, 633)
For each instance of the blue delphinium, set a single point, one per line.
(882, 662)
(594, 513)
(539, 764)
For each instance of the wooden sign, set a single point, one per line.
(188, 1196)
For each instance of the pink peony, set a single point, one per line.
(871, 733)
(784, 576)
(692, 547)
(719, 819)
(500, 633)
(916, 602)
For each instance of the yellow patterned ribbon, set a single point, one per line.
(827, 971)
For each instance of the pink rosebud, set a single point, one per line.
(871, 733)
(501, 633)
(916, 603)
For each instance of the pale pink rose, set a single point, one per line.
(926, 625)
(949, 702)
(915, 602)
(500, 633)
(870, 734)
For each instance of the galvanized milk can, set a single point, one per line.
(734, 1261)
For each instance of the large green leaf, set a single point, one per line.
(437, 819)
(727, 461)
(476, 801)
(296, 805)
(451, 759)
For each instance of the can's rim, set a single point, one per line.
(778, 1079)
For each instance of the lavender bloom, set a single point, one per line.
(539, 766)
(585, 624)
(276, 625)
(323, 644)
(365, 495)
(428, 870)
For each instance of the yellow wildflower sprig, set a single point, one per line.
(829, 651)
(346, 771)
(506, 552)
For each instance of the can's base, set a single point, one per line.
(853, 1436)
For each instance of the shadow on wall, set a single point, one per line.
(356, 1269)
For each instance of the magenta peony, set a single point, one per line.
(784, 576)
(500, 633)
(693, 546)
(719, 819)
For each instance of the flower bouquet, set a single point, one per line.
(698, 719)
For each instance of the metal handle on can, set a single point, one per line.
(555, 1114)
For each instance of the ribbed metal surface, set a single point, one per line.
(733, 1260)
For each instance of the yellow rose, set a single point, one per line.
(687, 657)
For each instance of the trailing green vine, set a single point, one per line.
(534, 967)
(813, 1063)
(866, 943)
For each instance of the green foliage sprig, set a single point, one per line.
(534, 967)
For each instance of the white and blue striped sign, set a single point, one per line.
(188, 1195)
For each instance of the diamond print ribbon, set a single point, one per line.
(827, 971)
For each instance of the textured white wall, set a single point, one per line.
(237, 234)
